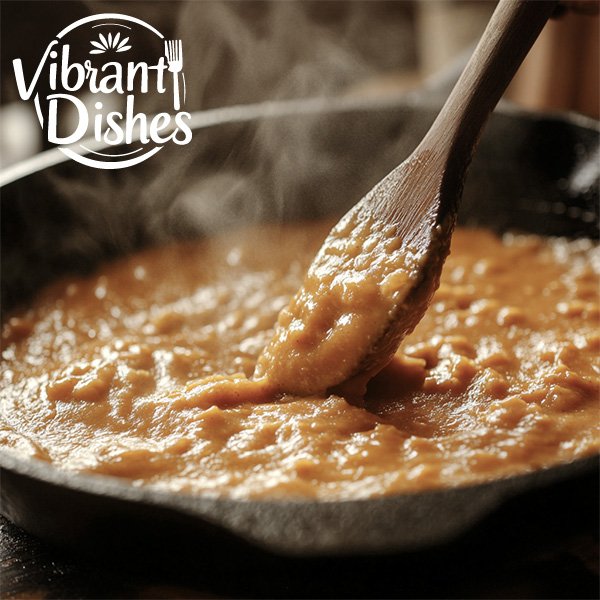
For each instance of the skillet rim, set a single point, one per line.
(224, 513)
(267, 110)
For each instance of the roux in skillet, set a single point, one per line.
(143, 371)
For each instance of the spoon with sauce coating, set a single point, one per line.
(374, 277)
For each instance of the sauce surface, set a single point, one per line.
(143, 371)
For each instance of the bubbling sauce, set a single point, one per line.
(144, 371)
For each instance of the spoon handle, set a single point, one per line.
(511, 32)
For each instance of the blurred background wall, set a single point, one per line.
(253, 50)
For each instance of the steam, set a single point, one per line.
(243, 53)
(239, 53)
(246, 52)
(235, 53)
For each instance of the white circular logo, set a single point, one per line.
(96, 89)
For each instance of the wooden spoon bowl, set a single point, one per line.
(376, 272)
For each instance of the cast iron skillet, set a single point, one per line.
(293, 161)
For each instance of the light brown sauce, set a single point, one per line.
(347, 299)
(142, 371)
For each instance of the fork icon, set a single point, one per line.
(174, 54)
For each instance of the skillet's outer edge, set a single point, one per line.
(79, 509)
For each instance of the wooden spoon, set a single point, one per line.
(376, 272)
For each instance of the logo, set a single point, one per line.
(95, 88)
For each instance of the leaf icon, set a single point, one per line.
(111, 43)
